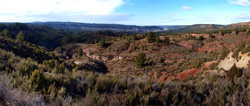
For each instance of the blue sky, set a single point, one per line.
(130, 12)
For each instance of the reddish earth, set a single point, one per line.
(183, 75)
(193, 72)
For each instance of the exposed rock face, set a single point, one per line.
(228, 62)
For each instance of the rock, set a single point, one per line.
(117, 58)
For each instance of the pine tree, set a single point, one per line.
(201, 38)
(166, 41)
(233, 72)
(140, 60)
(80, 53)
(151, 36)
(102, 43)
(20, 37)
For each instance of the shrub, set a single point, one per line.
(37, 78)
(6, 33)
(102, 43)
(233, 72)
(201, 38)
(151, 37)
(140, 60)
(213, 66)
(198, 62)
(166, 40)
(225, 51)
(80, 52)
(246, 49)
(52, 63)
(241, 46)
(27, 67)
(17, 97)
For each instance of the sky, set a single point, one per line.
(128, 12)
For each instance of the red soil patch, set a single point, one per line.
(170, 78)
(183, 75)
(193, 72)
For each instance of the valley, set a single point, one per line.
(201, 65)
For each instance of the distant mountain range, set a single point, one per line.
(74, 26)
(97, 27)
(209, 27)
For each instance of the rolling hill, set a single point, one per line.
(72, 26)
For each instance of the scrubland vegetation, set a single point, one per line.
(123, 69)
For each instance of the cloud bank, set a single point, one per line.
(25, 10)
(240, 2)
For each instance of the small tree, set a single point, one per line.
(135, 36)
(5, 33)
(20, 37)
(225, 51)
(151, 36)
(201, 38)
(80, 53)
(140, 60)
(102, 43)
(233, 72)
(237, 31)
(166, 40)
(157, 39)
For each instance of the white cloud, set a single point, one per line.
(240, 2)
(14, 9)
(186, 8)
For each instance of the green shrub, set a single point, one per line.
(140, 60)
(213, 66)
(246, 49)
(52, 63)
(102, 43)
(26, 67)
(225, 51)
(80, 52)
(151, 36)
(201, 38)
(198, 62)
(166, 41)
(38, 79)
